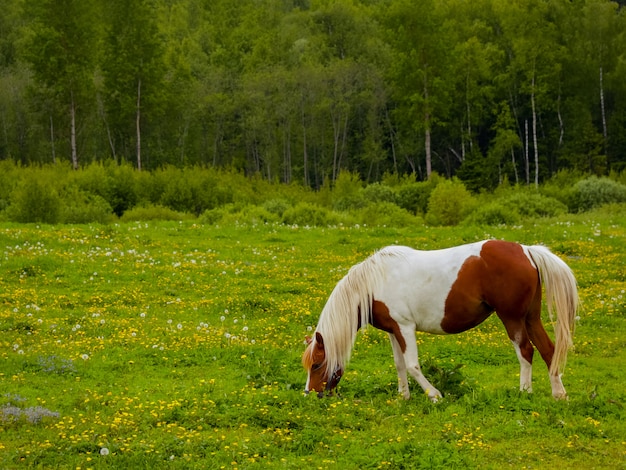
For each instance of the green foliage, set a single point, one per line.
(79, 207)
(251, 215)
(347, 194)
(414, 196)
(235, 214)
(378, 192)
(305, 214)
(449, 203)
(34, 200)
(478, 172)
(532, 204)
(493, 213)
(152, 212)
(385, 214)
(120, 188)
(8, 179)
(276, 206)
(593, 192)
(300, 91)
(101, 192)
(511, 206)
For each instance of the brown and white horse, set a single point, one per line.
(401, 290)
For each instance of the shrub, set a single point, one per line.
(346, 194)
(561, 186)
(237, 214)
(377, 192)
(120, 188)
(178, 194)
(308, 214)
(8, 180)
(533, 204)
(215, 216)
(34, 200)
(249, 214)
(449, 203)
(493, 213)
(414, 197)
(153, 212)
(276, 206)
(79, 207)
(593, 192)
(385, 214)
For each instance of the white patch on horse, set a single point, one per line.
(526, 369)
(415, 290)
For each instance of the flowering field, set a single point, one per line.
(177, 345)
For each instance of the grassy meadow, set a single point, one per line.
(178, 345)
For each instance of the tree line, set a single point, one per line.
(299, 90)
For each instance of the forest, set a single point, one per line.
(296, 91)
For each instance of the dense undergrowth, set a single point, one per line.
(105, 193)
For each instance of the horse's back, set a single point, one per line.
(454, 289)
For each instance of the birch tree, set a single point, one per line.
(133, 71)
(60, 42)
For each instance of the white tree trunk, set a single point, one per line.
(73, 132)
(604, 130)
(535, 148)
(138, 124)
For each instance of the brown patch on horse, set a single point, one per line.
(314, 353)
(313, 360)
(486, 283)
(382, 320)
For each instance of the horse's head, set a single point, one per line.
(320, 378)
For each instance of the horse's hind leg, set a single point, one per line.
(545, 346)
(524, 349)
(403, 383)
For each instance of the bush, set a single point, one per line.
(122, 190)
(449, 203)
(414, 197)
(34, 200)
(561, 186)
(308, 214)
(153, 212)
(386, 214)
(593, 192)
(377, 192)
(8, 180)
(249, 214)
(215, 216)
(533, 204)
(276, 206)
(493, 213)
(178, 193)
(79, 207)
(237, 214)
(346, 194)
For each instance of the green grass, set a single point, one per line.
(178, 345)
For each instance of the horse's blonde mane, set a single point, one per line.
(350, 307)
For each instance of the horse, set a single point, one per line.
(401, 290)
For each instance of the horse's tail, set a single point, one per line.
(562, 297)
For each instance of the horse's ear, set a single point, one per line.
(307, 340)
(319, 339)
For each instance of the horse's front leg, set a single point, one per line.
(398, 357)
(413, 367)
